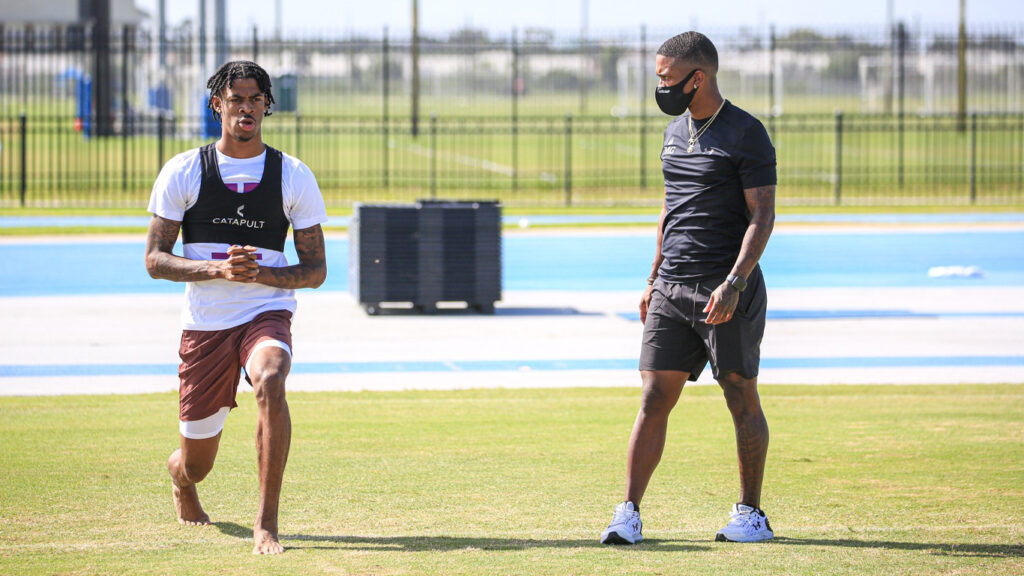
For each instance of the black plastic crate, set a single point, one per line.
(426, 253)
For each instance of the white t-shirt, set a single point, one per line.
(221, 304)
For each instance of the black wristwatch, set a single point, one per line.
(736, 282)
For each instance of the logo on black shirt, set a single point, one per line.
(240, 222)
(669, 148)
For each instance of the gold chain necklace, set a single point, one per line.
(694, 136)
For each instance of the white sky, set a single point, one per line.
(499, 17)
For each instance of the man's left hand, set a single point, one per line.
(722, 304)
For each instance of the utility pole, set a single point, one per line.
(277, 20)
(220, 33)
(102, 98)
(415, 68)
(201, 50)
(515, 110)
(161, 24)
(643, 105)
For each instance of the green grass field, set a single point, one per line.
(861, 480)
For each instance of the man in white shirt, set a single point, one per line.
(233, 202)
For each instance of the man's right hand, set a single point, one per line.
(241, 264)
(645, 302)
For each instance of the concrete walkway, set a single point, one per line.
(128, 344)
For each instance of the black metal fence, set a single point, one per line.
(531, 118)
(537, 161)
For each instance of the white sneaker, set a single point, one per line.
(625, 527)
(748, 524)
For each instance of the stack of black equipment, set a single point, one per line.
(425, 253)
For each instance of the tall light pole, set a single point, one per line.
(161, 34)
(277, 20)
(415, 68)
(102, 97)
(961, 81)
(890, 75)
(584, 18)
(202, 48)
(221, 51)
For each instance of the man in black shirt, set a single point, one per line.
(706, 296)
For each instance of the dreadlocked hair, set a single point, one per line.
(223, 78)
(691, 47)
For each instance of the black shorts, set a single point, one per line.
(676, 337)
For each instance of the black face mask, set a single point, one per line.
(672, 100)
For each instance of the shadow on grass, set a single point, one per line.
(944, 549)
(445, 543)
(232, 529)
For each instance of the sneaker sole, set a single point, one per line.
(614, 539)
(721, 538)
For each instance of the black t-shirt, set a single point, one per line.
(706, 213)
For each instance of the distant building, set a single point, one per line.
(65, 12)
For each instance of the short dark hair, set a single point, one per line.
(692, 47)
(224, 77)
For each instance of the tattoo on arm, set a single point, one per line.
(160, 260)
(761, 204)
(310, 272)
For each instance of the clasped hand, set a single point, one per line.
(241, 265)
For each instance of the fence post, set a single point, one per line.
(127, 41)
(900, 129)
(1020, 152)
(160, 140)
(974, 157)
(23, 130)
(298, 133)
(838, 189)
(255, 45)
(568, 159)
(643, 105)
(433, 156)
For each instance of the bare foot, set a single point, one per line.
(186, 503)
(265, 542)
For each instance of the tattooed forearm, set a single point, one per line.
(761, 203)
(310, 272)
(162, 263)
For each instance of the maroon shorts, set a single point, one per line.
(212, 362)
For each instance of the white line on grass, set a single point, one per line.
(471, 161)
